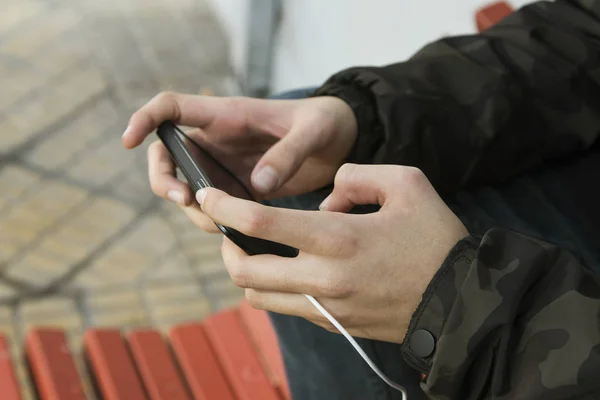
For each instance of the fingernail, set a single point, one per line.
(200, 196)
(266, 179)
(323, 205)
(126, 132)
(175, 196)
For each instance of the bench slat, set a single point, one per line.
(112, 366)
(9, 386)
(238, 358)
(199, 363)
(156, 366)
(52, 365)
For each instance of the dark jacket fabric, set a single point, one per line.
(512, 317)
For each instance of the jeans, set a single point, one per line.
(560, 204)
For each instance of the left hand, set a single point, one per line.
(369, 271)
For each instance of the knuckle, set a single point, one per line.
(412, 176)
(156, 188)
(257, 221)
(206, 224)
(166, 96)
(328, 326)
(209, 207)
(237, 272)
(240, 278)
(344, 245)
(334, 285)
(153, 148)
(345, 172)
(254, 299)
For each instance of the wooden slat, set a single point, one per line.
(9, 386)
(112, 366)
(199, 363)
(52, 366)
(265, 341)
(490, 15)
(155, 364)
(237, 356)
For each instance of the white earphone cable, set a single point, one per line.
(360, 351)
(312, 299)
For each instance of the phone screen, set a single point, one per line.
(218, 176)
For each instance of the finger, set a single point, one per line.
(370, 184)
(233, 114)
(289, 304)
(283, 160)
(310, 231)
(303, 274)
(281, 303)
(190, 110)
(163, 180)
(198, 218)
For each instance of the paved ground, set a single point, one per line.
(83, 241)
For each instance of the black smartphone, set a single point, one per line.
(201, 169)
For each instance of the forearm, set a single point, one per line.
(512, 318)
(484, 108)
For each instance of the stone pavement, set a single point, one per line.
(83, 242)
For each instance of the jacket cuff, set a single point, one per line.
(428, 320)
(370, 131)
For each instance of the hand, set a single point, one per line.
(276, 147)
(369, 271)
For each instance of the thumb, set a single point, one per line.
(283, 160)
(359, 185)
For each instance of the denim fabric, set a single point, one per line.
(559, 204)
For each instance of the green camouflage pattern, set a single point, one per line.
(513, 317)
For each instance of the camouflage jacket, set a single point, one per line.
(482, 109)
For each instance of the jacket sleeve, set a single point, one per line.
(479, 109)
(512, 318)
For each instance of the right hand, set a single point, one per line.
(276, 147)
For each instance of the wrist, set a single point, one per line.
(369, 131)
(436, 303)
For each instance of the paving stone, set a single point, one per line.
(104, 163)
(8, 247)
(40, 32)
(210, 266)
(55, 312)
(120, 264)
(29, 120)
(152, 237)
(175, 303)
(77, 136)
(114, 300)
(54, 305)
(7, 291)
(37, 267)
(20, 12)
(71, 74)
(124, 319)
(225, 292)
(173, 267)
(14, 181)
(134, 187)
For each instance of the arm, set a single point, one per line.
(483, 108)
(533, 334)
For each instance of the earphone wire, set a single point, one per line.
(312, 300)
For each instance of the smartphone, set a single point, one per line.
(201, 169)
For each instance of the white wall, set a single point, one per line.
(233, 15)
(319, 37)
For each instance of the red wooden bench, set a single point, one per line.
(232, 355)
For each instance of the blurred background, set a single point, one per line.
(83, 242)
